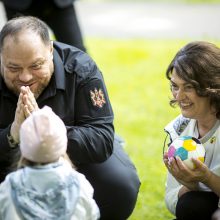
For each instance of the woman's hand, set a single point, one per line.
(181, 172)
(186, 176)
(201, 172)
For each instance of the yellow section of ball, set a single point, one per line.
(202, 159)
(189, 145)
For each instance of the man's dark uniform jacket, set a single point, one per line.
(69, 94)
(24, 4)
(77, 94)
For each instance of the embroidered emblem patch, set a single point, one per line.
(97, 97)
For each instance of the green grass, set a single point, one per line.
(134, 72)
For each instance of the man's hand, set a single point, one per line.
(25, 106)
(19, 118)
(28, 100)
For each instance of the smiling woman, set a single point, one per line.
(191, 105)
(195, 85)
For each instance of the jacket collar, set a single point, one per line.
(59, 71)
(5, 91)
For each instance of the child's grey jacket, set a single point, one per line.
(49, 192)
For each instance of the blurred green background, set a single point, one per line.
(134, 75)
(134, 72)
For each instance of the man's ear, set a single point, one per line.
(51, 46)
(51, 49)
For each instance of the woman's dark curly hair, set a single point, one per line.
(198, 63)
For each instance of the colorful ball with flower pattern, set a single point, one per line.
(187, 147)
